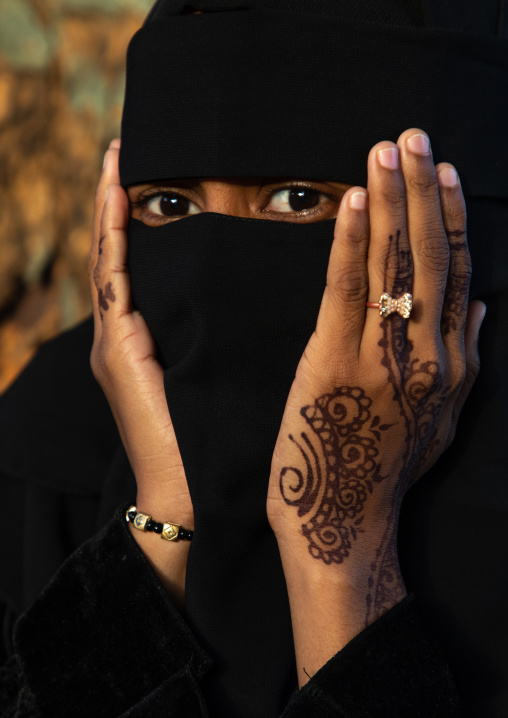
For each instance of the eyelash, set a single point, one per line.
(149, 194)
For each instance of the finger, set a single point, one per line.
(109, 175)
(455, 306)
(342, 314)
(390, 263)
(110, 274)
(475, 316)
(429, 244)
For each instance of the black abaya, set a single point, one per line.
(451, 81)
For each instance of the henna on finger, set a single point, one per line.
(420, 394)
(342, 457)
(106, 295)
(456, 294)
(101, 240)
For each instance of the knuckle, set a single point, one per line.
(97, 274)
(333, 368)
(458, 281)
(350, 285)
(424, 185)
(354, 233)
(458, 375)
(394, 197)
(461, 267)
(457, 216)
(433, 363)
(433, 253)
(323, 365)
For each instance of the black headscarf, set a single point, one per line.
(280, 88)
(299, 89)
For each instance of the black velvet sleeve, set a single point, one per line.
(393, 669)
(104, 639)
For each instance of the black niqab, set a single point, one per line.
(301, 89)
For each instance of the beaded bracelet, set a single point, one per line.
(168, 531)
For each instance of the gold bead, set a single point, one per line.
(131, 508)
(140, 521)
(170, 531)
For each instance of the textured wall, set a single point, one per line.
(61, 91)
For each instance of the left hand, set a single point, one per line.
(375, 401)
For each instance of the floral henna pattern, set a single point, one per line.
(340, 471)
(340, 452)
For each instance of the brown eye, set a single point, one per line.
(171, 205)
(294, 199)
(301, 199)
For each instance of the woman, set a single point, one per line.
(373, 404)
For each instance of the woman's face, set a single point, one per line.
(286, 200)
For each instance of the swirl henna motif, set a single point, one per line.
(341, 462)
(340, 471)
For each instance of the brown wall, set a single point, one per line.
(61, 91)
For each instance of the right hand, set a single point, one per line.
(125, 364)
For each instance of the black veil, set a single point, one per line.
(232, 302)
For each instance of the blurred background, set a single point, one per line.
(62, 71)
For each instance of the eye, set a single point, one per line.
(171, 205)
(294, 199)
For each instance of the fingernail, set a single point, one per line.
(106, 196)
(419, 144)
(105, 158)
(388, 158)
(448, 177)
(358, 200)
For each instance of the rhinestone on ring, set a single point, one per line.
(388, 305)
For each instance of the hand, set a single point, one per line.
(375, 401)
(124, 363)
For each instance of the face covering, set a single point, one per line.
(236, 302)
(271, 90)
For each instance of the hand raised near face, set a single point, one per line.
(376, 400)
(124, 363)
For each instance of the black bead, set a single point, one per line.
(149, 525)
(157, 528)
(131, 515)
(181, 533)
(189, 535)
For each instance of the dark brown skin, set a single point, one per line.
(407, 379)
(255, 198)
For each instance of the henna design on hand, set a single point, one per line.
(455, 302)
(420, 393)
(341, 458)
(340, 471)
(104, 296)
